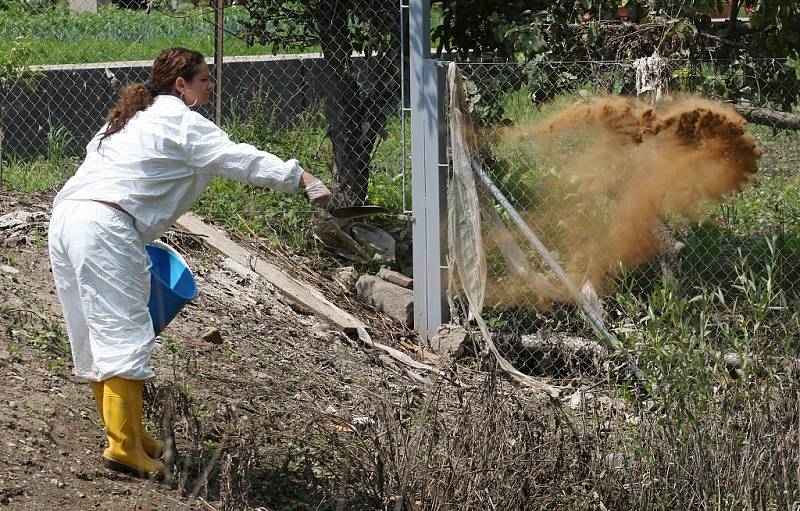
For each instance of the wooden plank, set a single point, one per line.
(296, 291)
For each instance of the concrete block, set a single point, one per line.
(450, 339)
(395, 301)
(86, 5)
(396, 278)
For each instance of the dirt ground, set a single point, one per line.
(231, 403)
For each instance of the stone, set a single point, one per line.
(10, 270)
(247, 275)
(551, 353)
(328, 231)
(17, 220)
(375, 239)
(391, 299)
(345, 275)
(396, 278)
(212, 335)
(450, 339)
(733, 363)
(86, 5)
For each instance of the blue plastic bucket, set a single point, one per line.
(171, 284)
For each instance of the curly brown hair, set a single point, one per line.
(170, 64)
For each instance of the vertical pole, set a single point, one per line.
(436, 169)
(419, 49)
(427, 174)
(219, 8)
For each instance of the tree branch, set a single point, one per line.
(768, 117)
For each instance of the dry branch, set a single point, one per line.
(771, 118)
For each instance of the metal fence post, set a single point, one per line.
(428, 174)
(219, 34)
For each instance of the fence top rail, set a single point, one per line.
(148, 63)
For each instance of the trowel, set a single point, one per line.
(351, 212)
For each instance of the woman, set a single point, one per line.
(143, 170)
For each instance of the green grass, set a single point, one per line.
(277, 217)
(60, 37)
(386, 185)
(38, 175)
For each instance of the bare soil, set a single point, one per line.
(232, 405)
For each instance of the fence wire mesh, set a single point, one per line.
(327, 77)
(589, 200)
(333, 82)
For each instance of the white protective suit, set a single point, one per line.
(154, 169)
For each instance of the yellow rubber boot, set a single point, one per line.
(122, 412)
(152, 446)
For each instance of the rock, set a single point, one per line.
(396, 278)
(397, 302)
(330, 233)
(374, 238)
(733, 362)
(550, 353)
(212, 335)
(18, 220)
(345, 275)
(576, 400)
(15, 225)
(450, 339)
(10, 270)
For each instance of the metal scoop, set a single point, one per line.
(352, 212)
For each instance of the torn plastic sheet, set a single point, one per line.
(467, 250)
(465, 246)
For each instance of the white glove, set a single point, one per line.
(319, 195)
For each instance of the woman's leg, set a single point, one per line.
(66, 282)
(152, 446)
(122, 412)
(111, 269)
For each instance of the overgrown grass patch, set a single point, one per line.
(37, 175)
(391, 180)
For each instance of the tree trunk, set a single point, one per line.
(345, 109)
(357, 107)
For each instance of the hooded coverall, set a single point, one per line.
(154, 170)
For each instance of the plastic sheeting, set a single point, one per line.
(465, 243)
(467, 250)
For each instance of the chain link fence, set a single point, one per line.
(325, 77)
(331, 83)
(628, 218)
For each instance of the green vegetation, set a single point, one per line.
(60, 37)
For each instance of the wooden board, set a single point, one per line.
(302, 294)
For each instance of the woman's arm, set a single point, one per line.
(209, 149)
